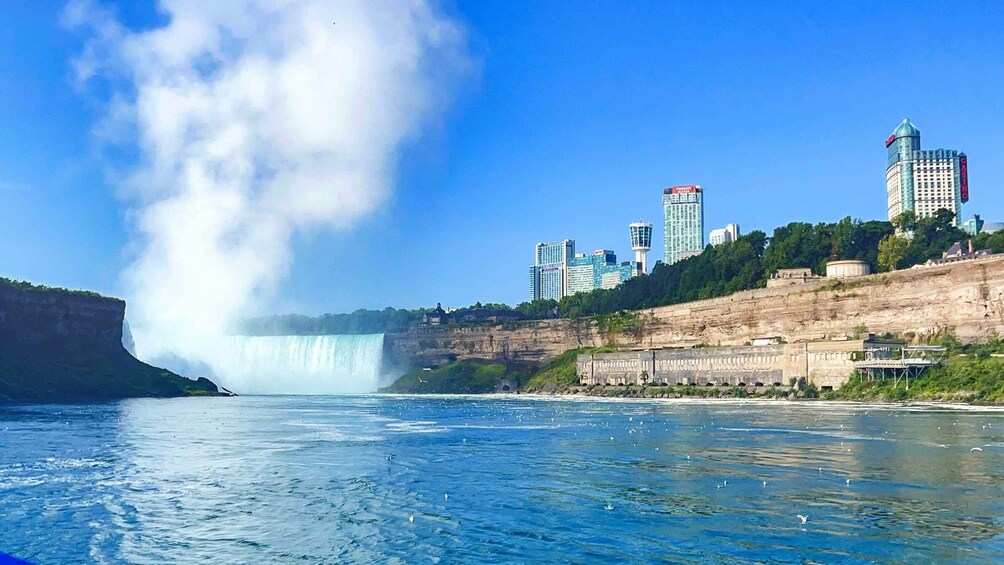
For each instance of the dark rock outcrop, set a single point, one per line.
(66, 346)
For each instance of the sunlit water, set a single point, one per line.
(498, 480)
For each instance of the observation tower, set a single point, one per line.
(641, 242)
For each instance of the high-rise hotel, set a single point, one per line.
(924, 181)
(559, 271)
(683, 227)
(549, 273)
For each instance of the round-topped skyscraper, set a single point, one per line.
(641, 242)
(923, 181)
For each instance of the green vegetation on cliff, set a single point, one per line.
(41, 378)
(26, 286)
(461, 377)
(475, 376)
(748, 262)
(972, 373)
(66, 346)
(930, 237)
(961, 379)
(560, 373)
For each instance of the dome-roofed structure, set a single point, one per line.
(906, 129)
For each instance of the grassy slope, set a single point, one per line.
(44, 377)
(462, 377)
(476, 376)
(961, 379)
(560, 373)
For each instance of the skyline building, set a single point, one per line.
(641, 243)
(599, 270)
(584, 271)
(683, 222)
(559, 271)
(923, 181)
(724, 235)
(549, 273)
(974, 225)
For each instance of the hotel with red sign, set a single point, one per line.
(924, 181)
(683, 216)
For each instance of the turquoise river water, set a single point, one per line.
(393, 479)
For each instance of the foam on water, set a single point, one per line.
(301, 364)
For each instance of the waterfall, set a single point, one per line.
(301, 364)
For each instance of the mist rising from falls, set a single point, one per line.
(300, 364)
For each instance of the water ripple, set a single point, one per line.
(402, 479)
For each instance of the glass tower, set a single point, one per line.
(548, 275)
(683, 217)
(923, 181)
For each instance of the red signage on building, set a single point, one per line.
(889, 141)
(964, 178)
(684, 189)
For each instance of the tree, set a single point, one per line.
(891, 251)
(992, 241)
(905, 222)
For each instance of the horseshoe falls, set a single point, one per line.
(301, 364)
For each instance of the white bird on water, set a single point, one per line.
(804, 519)
(412, 519)
(765, 483)
(608, 506)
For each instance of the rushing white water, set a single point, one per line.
(301, 364)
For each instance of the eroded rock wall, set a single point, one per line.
(40, 317)
(63, 346)
(967, 298)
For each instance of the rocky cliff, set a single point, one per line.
(65, 346)
(967, 298)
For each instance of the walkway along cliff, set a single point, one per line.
(967, 298)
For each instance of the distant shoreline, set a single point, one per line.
(577, 397)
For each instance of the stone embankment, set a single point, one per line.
(967, 298)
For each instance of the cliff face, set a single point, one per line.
(34, 317)
(62, 346)
(967, 298)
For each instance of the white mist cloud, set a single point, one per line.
(253, 120)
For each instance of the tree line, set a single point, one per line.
(744, 264)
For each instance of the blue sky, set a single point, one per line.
(576, 117)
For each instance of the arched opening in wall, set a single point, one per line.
(775, 384)
(681, 383)
(709, 384)
(826, 388)
(741, 384)
(757, 384)
(724, 384)
(505, 388)
(664, 383)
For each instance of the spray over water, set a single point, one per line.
(252, 121)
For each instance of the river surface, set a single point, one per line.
(385, 479)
